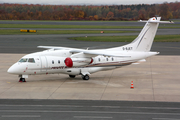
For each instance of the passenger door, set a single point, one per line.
(44, 64)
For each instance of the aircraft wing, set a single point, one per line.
(55, 48)
(86, 53)
(98, 52)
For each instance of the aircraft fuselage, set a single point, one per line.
(53, 61)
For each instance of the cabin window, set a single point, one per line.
(99, 59)
(52, 61)
(31, 60)
(112, 59)
(106, 59)
(59, 61)
(23, 60)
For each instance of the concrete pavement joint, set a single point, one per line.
(107, 84)
(152, 79)
(56, 90)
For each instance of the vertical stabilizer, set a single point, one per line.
(145, 39)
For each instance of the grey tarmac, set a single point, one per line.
(106, 23)
(157, 79)
(89, 110)
(101, 23)
(107, 95)
(29, 43)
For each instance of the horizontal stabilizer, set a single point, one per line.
(155, 20)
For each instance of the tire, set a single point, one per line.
(72, 76)
(20, 80)
(85, 77)
(23, 80)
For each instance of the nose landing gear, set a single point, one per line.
(22, 80)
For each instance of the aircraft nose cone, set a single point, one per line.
(11, 70)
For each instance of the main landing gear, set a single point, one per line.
(85, 77)
(72, 76)
(22, 80)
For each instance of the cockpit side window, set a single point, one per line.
(23, 60)
(31, 60)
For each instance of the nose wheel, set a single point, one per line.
(22, 80)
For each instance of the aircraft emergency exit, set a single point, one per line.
(73, 62)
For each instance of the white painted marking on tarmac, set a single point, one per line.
(109, 107)
(138, 107)
(168, 108)
(41, 105)
(165, 119)
(98, 112)
(170, 47)
(21, 116)
(92, 117)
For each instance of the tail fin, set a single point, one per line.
(145, 39)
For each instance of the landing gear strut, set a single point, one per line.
(22, 80)
(85, 77)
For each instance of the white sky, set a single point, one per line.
(86, 2)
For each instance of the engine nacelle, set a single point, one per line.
(75, 62)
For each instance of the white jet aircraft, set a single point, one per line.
(84, 62)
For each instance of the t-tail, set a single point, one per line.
(145, 39)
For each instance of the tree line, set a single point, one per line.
(89, 12)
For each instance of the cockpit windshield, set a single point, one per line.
(23, 60)
(30, 60)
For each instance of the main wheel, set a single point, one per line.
(85, 77)
(72, 76)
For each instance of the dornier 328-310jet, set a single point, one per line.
(84, 62)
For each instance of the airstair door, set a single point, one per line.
(44, 64)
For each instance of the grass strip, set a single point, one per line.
(158, 38)
(17, 32)
(66, 26)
